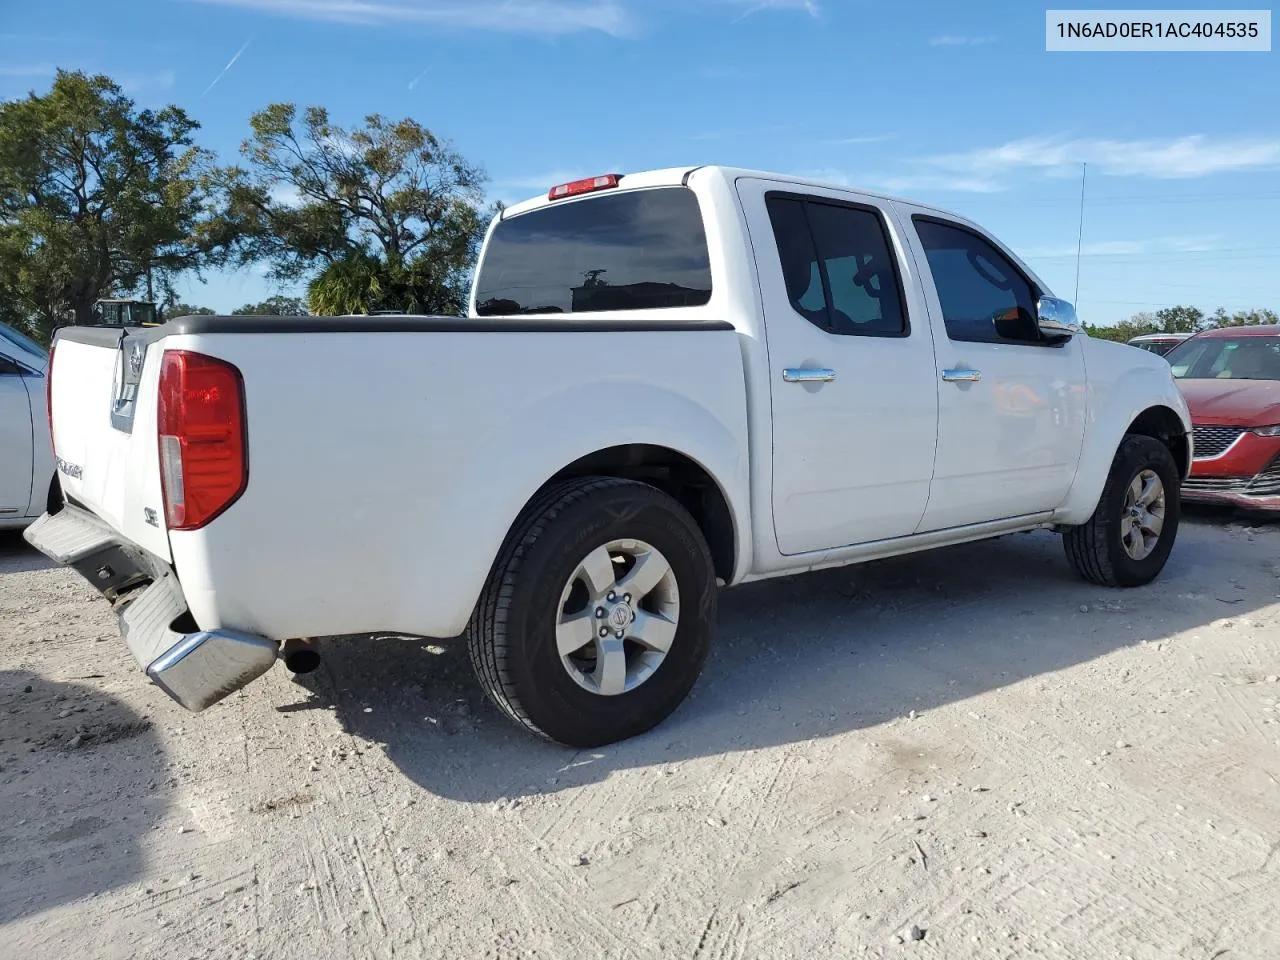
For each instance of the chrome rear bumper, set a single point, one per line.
(195, 667)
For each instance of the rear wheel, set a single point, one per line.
(1127, 541)
(596, 619)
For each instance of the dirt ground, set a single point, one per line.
(971, 742)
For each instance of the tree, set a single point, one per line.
(382, 216)
(98, 197)
(277, 306)
(1126, 330)
(1246, 318)
(1179, 319)
(177, 309)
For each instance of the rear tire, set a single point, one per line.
(1122, 544)
(545, 595)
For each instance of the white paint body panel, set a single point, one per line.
(385, 469)
(1008, 444)
(852, 458)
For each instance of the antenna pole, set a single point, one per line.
(1084, 173)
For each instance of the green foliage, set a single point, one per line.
(178, 309)
(97, 198)
(1179, 319)
(277, 306)
(1245, 318)
(388, 214)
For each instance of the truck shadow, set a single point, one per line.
(807, 657)
(77, 772)
(17, 556)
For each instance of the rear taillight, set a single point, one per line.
(203, 452)
(48, 390)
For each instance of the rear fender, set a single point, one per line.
(522, 453)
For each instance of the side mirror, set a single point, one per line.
(1056, 319)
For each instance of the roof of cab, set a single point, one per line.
(675, 176)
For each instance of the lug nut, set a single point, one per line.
(604, 631)
(612, 596)
(626, 598)
(619, 634)
(599, 613)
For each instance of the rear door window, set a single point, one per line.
(636, 250)
(839, 269)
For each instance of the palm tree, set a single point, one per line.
(355, 284)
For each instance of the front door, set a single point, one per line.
(1011, 407)
(850, 366)
(15, 442)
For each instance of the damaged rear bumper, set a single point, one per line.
(195, 667)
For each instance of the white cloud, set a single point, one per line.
(896, 185)
(230, 63)
(874, 138)
(38, 70)
(756, 6)
(1169, 159)
(514, 16)
(939, 182)
(1111, 248)
(950, 40)
(139, 84)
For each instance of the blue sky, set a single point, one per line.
(950, 103)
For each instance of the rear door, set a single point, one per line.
(1011, 407)
(16, 448)
(851, 367)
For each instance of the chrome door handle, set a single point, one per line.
(808, 375)
(961, 375)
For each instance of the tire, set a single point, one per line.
(1097, 548)
(514, 635)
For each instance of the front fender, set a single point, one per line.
(520, 453)
(1123, 384)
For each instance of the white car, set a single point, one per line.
(28, 484)
(666, 380)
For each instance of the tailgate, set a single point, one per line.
(103, 408)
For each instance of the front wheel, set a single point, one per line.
(596, 619)
(1126, 542)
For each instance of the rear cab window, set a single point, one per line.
(624, 251)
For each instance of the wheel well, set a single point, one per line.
(676, 475)
(1166, 426)
(55, 501)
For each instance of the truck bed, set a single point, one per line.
(347, 419)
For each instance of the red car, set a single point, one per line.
(1231, 379)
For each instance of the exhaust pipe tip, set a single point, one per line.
(299, 656)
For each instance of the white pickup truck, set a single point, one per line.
(666, 380)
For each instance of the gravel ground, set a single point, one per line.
(968, 753)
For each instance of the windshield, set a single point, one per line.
(1227, 358)
(24, 343)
